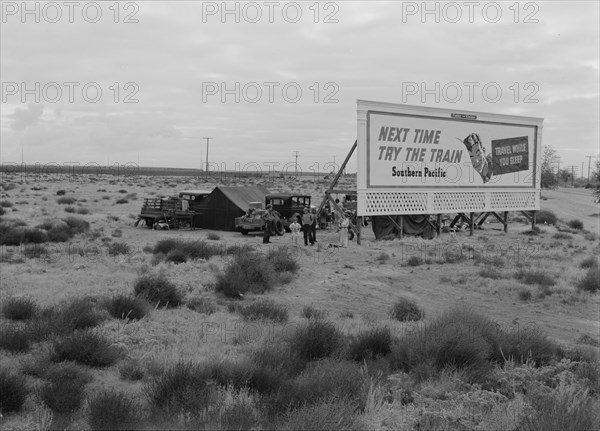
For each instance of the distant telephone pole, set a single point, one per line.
(296, 155)
(573, 169)
(207, 140)
(589, 163)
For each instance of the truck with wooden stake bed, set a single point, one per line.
(173, 211)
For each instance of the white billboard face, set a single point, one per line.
(432, 152)
(410, 151)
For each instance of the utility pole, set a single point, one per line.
(573, 169)
(296, 162)
(589, 163)
(334, 170)
(207, 140)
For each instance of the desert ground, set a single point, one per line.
(354, 287)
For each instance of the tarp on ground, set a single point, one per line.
(412, 225)
(224, 204)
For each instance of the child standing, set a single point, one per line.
(344, 231)
(295, 228)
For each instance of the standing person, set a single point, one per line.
(337, 219)
(306, 227)
(344, 231)
(268, 218)
(337, 215)
(295, 228)
(313, 226)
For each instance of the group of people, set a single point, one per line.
(308, 227)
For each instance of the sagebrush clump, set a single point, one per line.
(316, 339)
(14, 338)
(370, 344)
(535, 277)
(545, 217)
(591, 281)
(264, 310)
(405, 309)
(575, 224)
(182, 387)
(86, 347)
(113, 410)
(245, 273)
(158, 290)
(127, 307)
(180, 251)
(64, 388)
(13, 391)
(19, 308)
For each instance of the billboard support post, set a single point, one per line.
(472, 224)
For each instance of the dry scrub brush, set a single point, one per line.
(113, 410)
(405, 309)
(126, 307)
(255, 273)
(64, 387)
(158, 289)
(15, 308)
(13, 391)
(263, 310)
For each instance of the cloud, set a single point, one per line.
(368, 54)
(28, 117)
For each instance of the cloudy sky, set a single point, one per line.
(266, 79)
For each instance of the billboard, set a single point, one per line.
(418, 160)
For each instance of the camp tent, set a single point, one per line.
(224, 204)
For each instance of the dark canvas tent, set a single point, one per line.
(224, 204)
(411, 224)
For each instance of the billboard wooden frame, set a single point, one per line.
(510, 191)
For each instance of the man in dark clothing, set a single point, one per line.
(307, 220)
(268, 218)
(313, 226)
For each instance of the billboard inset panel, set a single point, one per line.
(510, 155)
